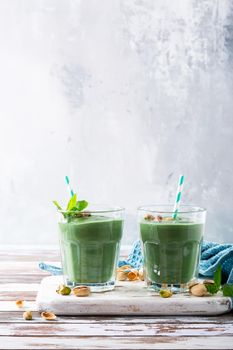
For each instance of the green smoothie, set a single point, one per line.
(171, 250)
(90, 248)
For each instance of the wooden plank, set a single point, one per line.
(10, 306)
(14, 291)
(28, 247)
(120, 343)
(33, 278)
(19, 287)
(128, 298)
(106, 330)
(30, 255)
(21, 272)
(22, 267)
(16, 317)
(12, 296)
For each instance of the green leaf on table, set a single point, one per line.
(227, 290)
(57, 205)
(81, 205)
(215, 287)
(212, 288)
(72, 203)
(217, 276)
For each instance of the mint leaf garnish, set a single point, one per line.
(81, 205)
(227, 290)
(212, 288)
(57, 205)
(74, 208)
(72, 202)
(215, 287)
(217, 276)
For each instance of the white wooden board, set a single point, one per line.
(128, 298)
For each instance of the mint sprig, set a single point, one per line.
(57, 205)
(81, 205)
(212, 288)
(72, 203)
(215, 287)
(227, 289)
(72, 207)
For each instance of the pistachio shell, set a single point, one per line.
(124, 267)
(81, 291)
(27, 315)
(165, 293)
(141, 275)
(133, 275)
(168, 218)
(159, 218)
(86, 214)
(149, 217)
(192, 283)
(122, 275)
(19, 303)
(199, 290)
(208, 282)
(49, 316)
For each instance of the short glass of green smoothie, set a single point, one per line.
(171, 247)
(90, 245)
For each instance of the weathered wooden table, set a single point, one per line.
(20, 278)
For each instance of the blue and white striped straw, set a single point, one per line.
(178, 197)
(71, 192)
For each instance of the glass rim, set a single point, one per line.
(183, 209)
(102, 209)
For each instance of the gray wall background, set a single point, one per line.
(122, 96)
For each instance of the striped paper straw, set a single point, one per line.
(178, 196)
(71, 192)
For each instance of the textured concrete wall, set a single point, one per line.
(123, 96)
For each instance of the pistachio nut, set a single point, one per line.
(164, 293)
(199, 290)
(149, 217)
(81, 291)
(192, 283)
(122, 275)
(141, 275)
(168, 218)
(19, 303)
(27, 315)
(49, 316)
(63, 289)
(208, 281)
(133, 275)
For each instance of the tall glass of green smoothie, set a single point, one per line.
(171, 247)
(90, 245)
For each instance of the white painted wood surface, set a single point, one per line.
(20, 279)
(120, 343)
(128, 298)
